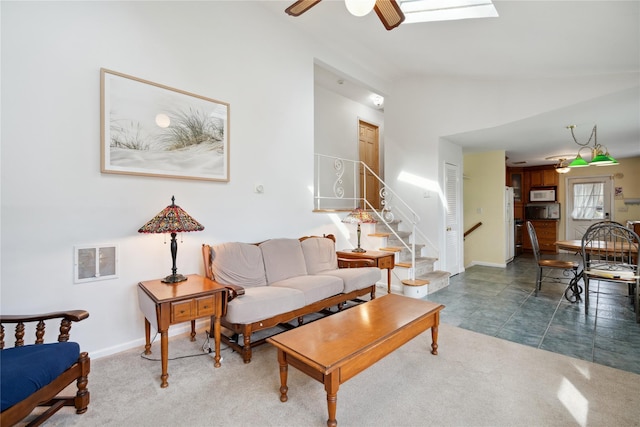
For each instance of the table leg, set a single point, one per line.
(193, 330)
(388, 280)
(147, 336)
(164, 351)
(434, 339)
(331, 384)
(284, 366)
(216, 338)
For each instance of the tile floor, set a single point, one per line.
(501, 302)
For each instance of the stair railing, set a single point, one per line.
(341, 192)
(471, 230)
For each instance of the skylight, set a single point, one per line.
(446, 10)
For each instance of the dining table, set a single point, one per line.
(575, 246)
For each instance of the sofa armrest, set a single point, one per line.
(355, 263)
(233, 291)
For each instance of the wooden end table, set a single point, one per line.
(165, 304)
(336, 348)
(383, 260)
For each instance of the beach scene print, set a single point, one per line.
(155, 130)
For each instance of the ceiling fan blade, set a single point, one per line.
(300, 7)
(389, 13)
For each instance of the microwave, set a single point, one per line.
(542, 195)
(542, 211)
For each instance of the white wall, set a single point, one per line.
(337, 135)
(421, 111)
(53, 194)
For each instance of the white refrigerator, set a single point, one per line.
(509, 228)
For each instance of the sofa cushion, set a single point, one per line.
(314, 287)
(355, 278)
(237, 263)
(263, 302)
(283, 258)
(26, 369)
(319, 254)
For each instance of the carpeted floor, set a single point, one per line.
(476, 380)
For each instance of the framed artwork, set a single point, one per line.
(154, 130)
(95, 262)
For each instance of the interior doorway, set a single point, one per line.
(369, 154)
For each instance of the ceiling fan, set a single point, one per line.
(387, 10)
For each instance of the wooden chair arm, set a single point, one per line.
(72, 315)
(355, 263)
(65, 325)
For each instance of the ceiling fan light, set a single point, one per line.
(565, 169)
(359, 7)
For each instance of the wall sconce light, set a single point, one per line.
(377, 100)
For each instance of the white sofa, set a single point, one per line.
(280, 280)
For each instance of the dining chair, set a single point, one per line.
(569, 268)
(610, 253)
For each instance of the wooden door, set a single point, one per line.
(369, 153)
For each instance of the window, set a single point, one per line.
(588, 201)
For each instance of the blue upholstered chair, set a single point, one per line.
(33, 375)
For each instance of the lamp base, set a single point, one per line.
(358, 250)
(174, 278)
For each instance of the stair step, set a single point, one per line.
(390, 249)
(379, 234)
(437, 280)
(419, 260)
(415, 282)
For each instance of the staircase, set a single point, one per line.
(397, 231)
(425, 279)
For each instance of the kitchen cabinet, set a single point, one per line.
(547, 231)
(543, 178)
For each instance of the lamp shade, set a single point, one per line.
(359, 216)
(171, 219)
(579, 162)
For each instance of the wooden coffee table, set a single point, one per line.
(338, 347)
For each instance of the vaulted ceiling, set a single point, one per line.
(530, 39)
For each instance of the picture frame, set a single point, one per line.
(151, 129)
(95, 262)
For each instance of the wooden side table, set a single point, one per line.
(383, 260)
(165, 304)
